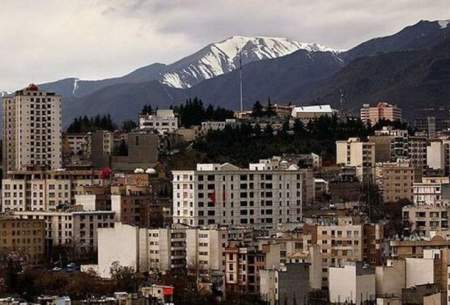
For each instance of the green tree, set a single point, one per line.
(128, 125)
(257, 110)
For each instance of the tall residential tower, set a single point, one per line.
(31, 130)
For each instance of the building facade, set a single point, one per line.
(381, 111)
(262, 195)
(359, 154)
(163, 121)
(32, 130)
(22, 237)
(44, 190)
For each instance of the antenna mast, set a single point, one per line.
(240, 81)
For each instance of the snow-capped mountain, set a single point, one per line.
(224, 56)
(213, 60)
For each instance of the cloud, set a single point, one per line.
(51, 39)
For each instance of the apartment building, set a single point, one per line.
(75, 143)
(423, 219)
(163, 121)
(141, 208)
(264, 195)
(31, 130)
(390, 144)
(417, 146)
(22, 237)
(100, 147)
(381, 111)
(359, 154)
(44, 190)
(339, 243)
(395, 180)
(242, 266)
(205, 255)
(77, 229)
(432, 191)
(160, 250)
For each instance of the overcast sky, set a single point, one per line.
(45, 40)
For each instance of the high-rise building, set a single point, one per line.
(264, 195)
(32, 130)
(382, 111)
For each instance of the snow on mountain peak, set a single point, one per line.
(224, 56)
(443, 23)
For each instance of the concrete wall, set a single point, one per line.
(118, 244)
(365, 288)
(267, 286)
(391, 279)
(342, 291)
(293, 284)
(419, 271)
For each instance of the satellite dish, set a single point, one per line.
(150, 171)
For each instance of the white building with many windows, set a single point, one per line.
(264, 195)
(162, 121)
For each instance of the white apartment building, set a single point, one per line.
(163, 121)
(264, 195)
(359, 154)
(32, 130)
(432, 191)
(44, 190)
(72, 228)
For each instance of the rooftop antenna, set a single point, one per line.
(240, 80)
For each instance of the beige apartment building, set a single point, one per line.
(32, 130)
(71, 228)
(23, 237)
(359, 154)
(381, 111)
(424, 219)
(44, 190)
(395, 180)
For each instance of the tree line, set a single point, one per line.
(193, 112)
(247, 142)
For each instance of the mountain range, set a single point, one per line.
(408, 68)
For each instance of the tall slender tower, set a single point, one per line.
(240, 81)
(31, 130)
